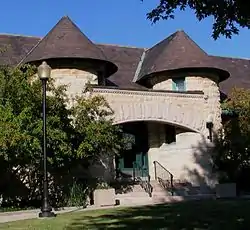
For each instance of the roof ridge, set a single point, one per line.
(171, 36)
(182, 31)
(138, 69)
(31, 50)
(20, 35)
(74, 24)
(122, 46)
(39, 42)
(229, 57)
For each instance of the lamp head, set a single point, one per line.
(44, 71)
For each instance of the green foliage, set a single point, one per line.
(233, 158)
(240, 103)
(21, 134)
(228, 16)
(96, 135)
(103, 185)
(72, 144)
(77, 195)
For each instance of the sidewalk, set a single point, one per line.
(32, 214)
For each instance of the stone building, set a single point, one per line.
(165, 96)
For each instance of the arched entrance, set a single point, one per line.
(134, 157)
(150, 141)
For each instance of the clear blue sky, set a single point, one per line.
(115, 22)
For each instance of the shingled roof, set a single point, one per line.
(178, 51)
(127, 59)
(13, 48)
(65, 40)
(132, 62)
(239, 70)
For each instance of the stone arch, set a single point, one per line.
(182, 109)
(178, 114)
(159, 120)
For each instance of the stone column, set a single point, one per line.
(156, 137)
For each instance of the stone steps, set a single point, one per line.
(133, 194)
(127, 201)
(138, 196)
(135, 200)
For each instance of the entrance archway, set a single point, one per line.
(152, 141)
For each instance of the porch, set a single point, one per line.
(169, 133)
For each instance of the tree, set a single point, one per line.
(96, 135)
(21, 134)
(76, 137)
(228, 16)
(233, 148)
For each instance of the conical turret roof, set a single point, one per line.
(65, 40)
(178, 51)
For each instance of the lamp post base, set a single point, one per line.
(45, 214)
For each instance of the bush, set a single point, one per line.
(77, 196)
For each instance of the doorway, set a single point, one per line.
(135, 156)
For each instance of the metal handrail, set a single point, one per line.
(138, 174)
(165, 178)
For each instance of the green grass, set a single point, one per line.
(186, 216)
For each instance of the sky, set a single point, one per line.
(121, 22)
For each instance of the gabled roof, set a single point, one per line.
(177, 51)
(65, 40)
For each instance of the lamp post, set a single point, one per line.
(209, 125)
(44, 72)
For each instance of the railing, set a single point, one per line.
(143, 178)
(164, 177)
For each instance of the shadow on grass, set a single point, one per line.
(187, 215)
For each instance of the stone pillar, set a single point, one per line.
(156, 137)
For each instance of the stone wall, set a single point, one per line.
(164, 85)
(211, 94)
(187, 158)
(75, 79)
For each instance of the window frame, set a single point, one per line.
(175, 83)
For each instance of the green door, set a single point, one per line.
(136, 155)
(142, 163)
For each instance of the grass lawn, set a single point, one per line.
(195, 215)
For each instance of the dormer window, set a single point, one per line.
(179, 84)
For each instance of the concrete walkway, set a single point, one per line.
(28, 214)
(32, 214)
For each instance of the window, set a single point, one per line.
(179, 84)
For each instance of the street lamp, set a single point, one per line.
(44, 72)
